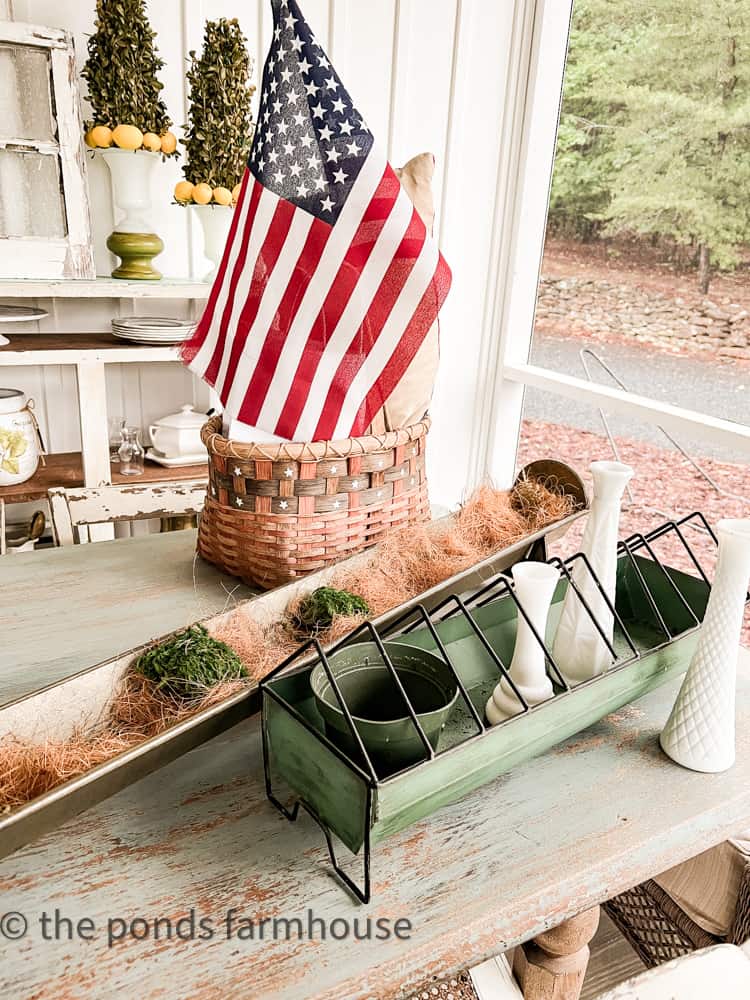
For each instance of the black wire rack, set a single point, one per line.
(633, 550)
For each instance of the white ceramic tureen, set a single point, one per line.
(178, 435)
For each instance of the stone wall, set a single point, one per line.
(573, 305)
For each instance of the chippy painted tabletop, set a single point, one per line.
(558, 835)
(67, 609)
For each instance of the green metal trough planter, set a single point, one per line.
(340, 775)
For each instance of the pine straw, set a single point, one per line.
(406, 563)
(138, 711)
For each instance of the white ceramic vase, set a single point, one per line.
(131, 174)
(535, 584)
(700, 731)
(579, 650)
(216, 221)
(133, 238)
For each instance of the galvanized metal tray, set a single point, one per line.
(658, 612)
(56, 711)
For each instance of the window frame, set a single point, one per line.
(71, 256)
(538, 98)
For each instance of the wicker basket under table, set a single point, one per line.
(659, 930)
(274, 512)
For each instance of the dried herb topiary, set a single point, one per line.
(122, 67)
(218, 134)
(189, 663)
(317, 611)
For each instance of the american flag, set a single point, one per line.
(329, 281)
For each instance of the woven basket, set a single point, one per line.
(275, 512)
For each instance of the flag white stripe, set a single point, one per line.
(202, 359)
(277, 284)
(354, 313)
(320, 284)
(409, 298)
(267, 205)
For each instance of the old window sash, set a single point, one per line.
(45, 229)
(543, 43)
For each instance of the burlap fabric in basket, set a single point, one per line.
(274, 512)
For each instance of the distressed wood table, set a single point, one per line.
(67, 609)
(198, 841)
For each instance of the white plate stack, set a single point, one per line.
(153, 329)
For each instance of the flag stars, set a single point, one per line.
(284, 505)
(312, 89)
(325, 134)
(302, 190)
(323, 62)
(333, 155)
(288, 148)
(339, 106)
(340, 177)
(305, 67)
(331, 84)
(353, 149)
(295, 169)
(290, 21)
(277, 105)
(318, 110)
(346, 127)
(306, 141)
(286, 75)
(296, 44)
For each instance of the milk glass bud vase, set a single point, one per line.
(535, 584)
(579, 650)
(700, 731)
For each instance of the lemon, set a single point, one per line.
(202, 194)
(101, 135)
(152, 142)
(168, 143)
(183, 192)
(128, 137)
(236, 193)
(222, 196)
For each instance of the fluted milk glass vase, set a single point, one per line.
(535, 584)
(700, 731)
(579, 650)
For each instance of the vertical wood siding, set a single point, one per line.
(427, 75)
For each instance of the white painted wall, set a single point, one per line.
(437, 75)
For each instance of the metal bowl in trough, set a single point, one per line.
(377, 706)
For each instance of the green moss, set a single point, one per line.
(317, 611)
(190, 662)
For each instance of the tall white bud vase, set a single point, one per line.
(699, 733)
(216, 221)
(535, 584)
(579, 650)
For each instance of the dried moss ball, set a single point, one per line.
(190, 663)
(317, 611)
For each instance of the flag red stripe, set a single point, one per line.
(282, 321)
(367, 334)
(212, 371)
(264, 265)
(373, 221)
(414, 335)
(191, 348)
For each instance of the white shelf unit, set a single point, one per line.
(105, 288)
(88, 353)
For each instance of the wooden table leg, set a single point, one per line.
(553, 964)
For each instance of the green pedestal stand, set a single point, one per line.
(136, 252)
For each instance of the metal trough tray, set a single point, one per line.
(659, 611)
(78, 701)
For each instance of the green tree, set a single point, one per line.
(657, 101)
(122, 69)
(218, 134)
